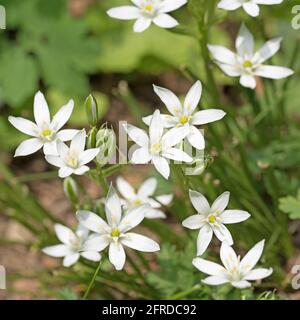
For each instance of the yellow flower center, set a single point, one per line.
(212, 219)
(148, 7)
(248, 64)
(183, 119)
(155, 148)
(72, 160)
(137, 202)
(115, 232)
(46, 132)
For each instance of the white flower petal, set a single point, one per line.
(62, 116)
(57, 251)
(66, 134)
(124, 12)
(207, 116)
(24, 125)
(171, 5)
(234, 216)
(252, 257)
(167, 120)
(97, 243)
(92, 221)
(70, 259)
(125, 189)
(165, 199)
(267, 51)
(170, 100)
(156, 128)
(192, 99)
(55, 161)
(174, 136)
(147, 188)
(64, 234)
(273, 72)
(113, 208)
(91, 255)
(41, 110)
(117, 255)
(222, 54)
(248, 81)
(78, 142)
(28, 146)
(229, 4)
(88, 155)
(164, 20)
(81, 170)
(137, 135)
(251, 8)
(141, 24)
(195, 138)
(133, 218)
(199, 202)
(230, 70)
(138, 242)
(204, 239)
(50, 148)
(141, 156)
(208, 267)
(65, 172)
(259, 273)
(244, 43)
(221, 202)
(228, 256)
(162, 166)
(177, 155)
(223, 234)
(241, 284)
(62, 149)
(215, 280)
(195, 221)
(154, 214)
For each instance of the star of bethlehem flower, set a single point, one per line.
(74, 245)
(144, 195)
(246, 63)
(45, 132)
(147, 11)
(250, 6)
(212, 219)
(114, 233)
(237, 272)
(158, 146)
(73, 159)
(186, 114)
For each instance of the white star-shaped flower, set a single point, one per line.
(73, 159)
(74, 245)
(45, 132)
(211, 219)
(246, 63)
(147, 11)
(235, 271)
(250, 6)
(114, 233)
(144, 195)
(158, 146)
(186, 114)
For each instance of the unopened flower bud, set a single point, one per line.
(71, 189)
(106, 141)
(92, 138)
(91, 108)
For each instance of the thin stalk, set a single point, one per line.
(87, 292)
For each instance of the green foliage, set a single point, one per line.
(291, 206)
(48, 45)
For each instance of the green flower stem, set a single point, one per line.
(183, 294)
(102, 180)
(87, 292)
